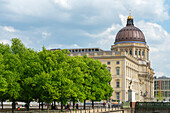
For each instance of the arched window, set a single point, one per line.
(130, 52)
(139, 52)
(143, 53)
(117, 84)
(117, 70)
(135, 52)
(117, 95)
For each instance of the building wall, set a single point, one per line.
(162, 85)
(130, 69)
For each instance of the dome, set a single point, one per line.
(130, 33)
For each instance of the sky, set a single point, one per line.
(87, 23)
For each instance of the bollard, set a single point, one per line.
(97, 109)
(105, 108)
(89, 109)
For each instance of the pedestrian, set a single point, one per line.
(108, 105)
(68, 107)
(77, 106)
(104, 104)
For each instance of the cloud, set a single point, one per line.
(9, 29)
(45, 34)
(86, 23)
(159, 74)
(63, 3)
(62, 46)
(5, 42)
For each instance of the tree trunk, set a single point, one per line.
(73, 103)
(84, 104)
(61, 105)
(48, 107)
(54, 104)
(42, 105)
(13, 105)
(92, 104)
(2, 104)
(28, 106)
(39, 104)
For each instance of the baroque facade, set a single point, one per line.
(128, 63)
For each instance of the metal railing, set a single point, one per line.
(97, 109)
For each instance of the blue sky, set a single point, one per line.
(87, 23)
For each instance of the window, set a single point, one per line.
(136, 52)
(117, 62)
(130, 52)
(117, 84)
(143, 53)
(108, 63)
(139, 52)
(166, 93)
(108, 68)
(117, 96)
(117, 70)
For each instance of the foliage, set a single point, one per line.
(27, 75)
(159, 96)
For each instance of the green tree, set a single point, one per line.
(55, 63)
(77, 67)
(12, 75)
(159, 96)
(99, 87)
(3, 82)
(4, 49)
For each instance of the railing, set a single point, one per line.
(97, 109)
(156, 105)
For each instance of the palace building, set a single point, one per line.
(128, 62)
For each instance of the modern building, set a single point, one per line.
(162, 88)
(128, 62)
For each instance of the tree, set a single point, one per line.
(55, 64)
(42, 85)
(99, 87)
(77, 67)
(159, 96)
(12, 75)
(3, 82)
(4, 49)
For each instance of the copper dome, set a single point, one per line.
(130, 33)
